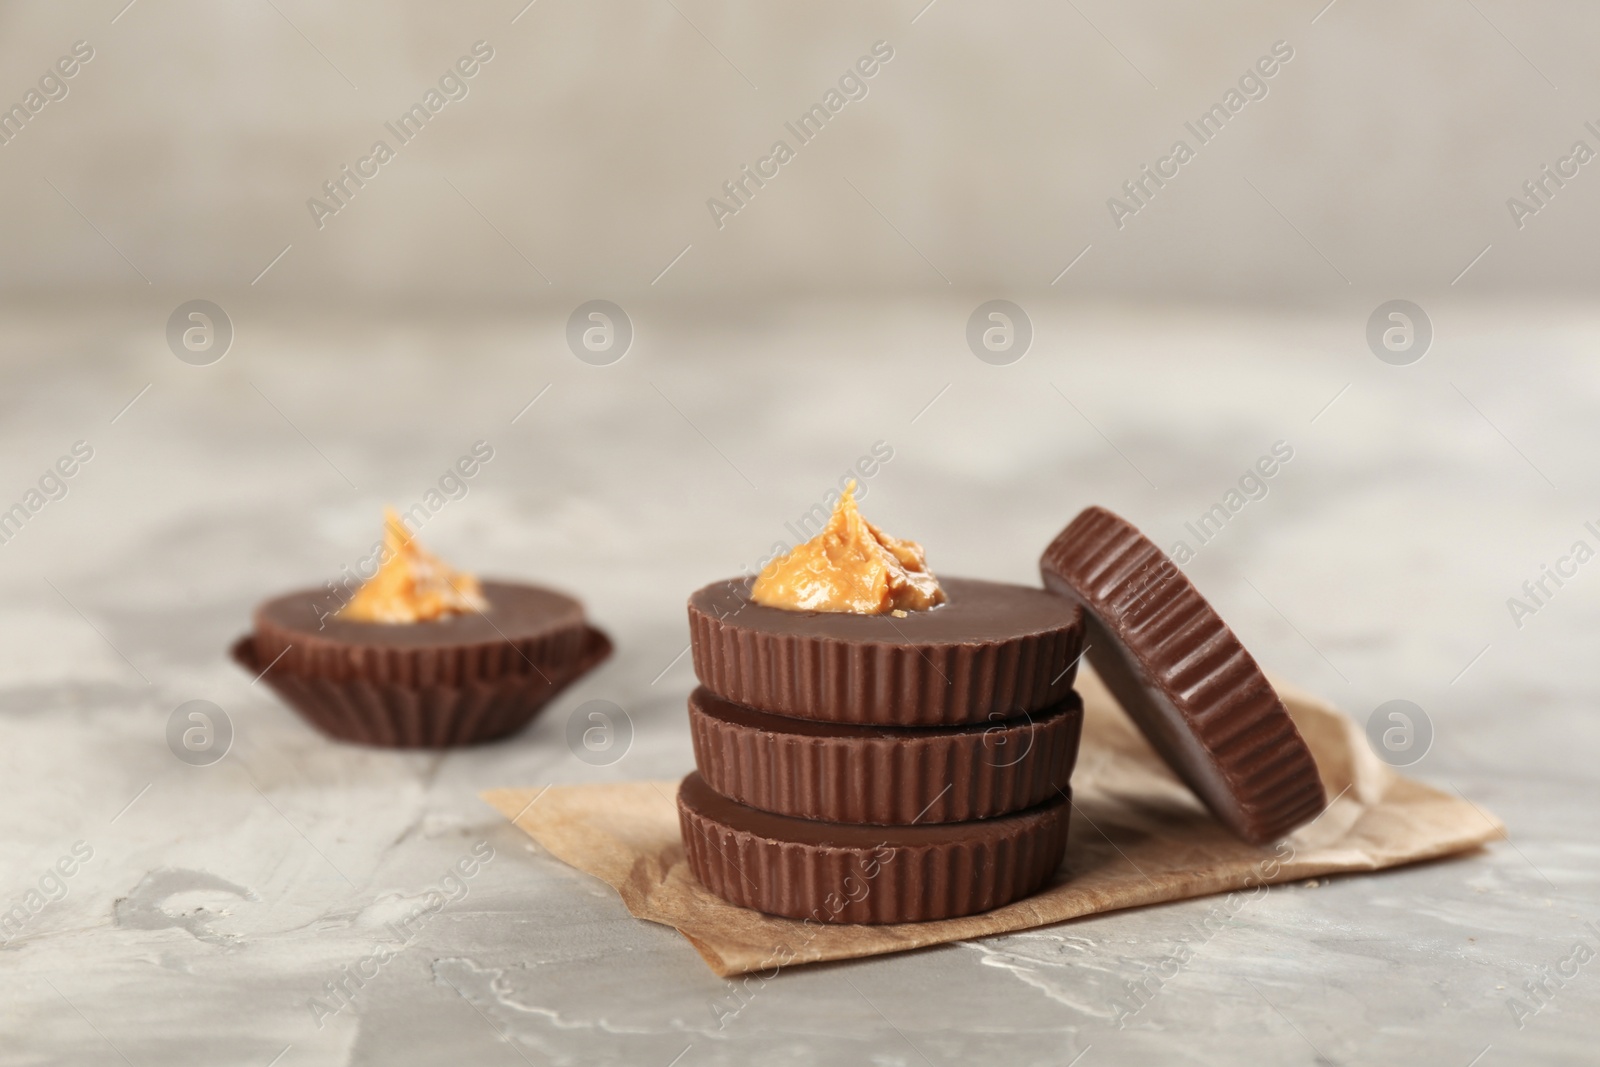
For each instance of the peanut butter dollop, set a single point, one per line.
(411, 585)
(850, 566)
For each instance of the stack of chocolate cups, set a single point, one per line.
(881, 769)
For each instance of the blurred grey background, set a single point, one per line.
(580, 160)
(1227, 316)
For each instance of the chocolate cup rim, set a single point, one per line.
(883, 776)
(795, 726)
(854, 837)
(942, 679)
(946, 877)
(242, 652)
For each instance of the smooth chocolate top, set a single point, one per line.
(977, 611)
(700, 798)
(516, 612)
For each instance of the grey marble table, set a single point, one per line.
(209, 907)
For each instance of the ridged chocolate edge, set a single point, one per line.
(821, 678)
(890, 884)
(938, 776)
(398, 715)
(1187, 651)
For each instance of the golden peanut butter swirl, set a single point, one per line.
(851, 566)
(411, 585)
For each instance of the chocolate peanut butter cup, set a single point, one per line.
(420, 655)
(832, 872)
(408, 714)
(889, 775)
(991, 650)
(1184, 678)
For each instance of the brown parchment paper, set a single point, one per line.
(1138, 836)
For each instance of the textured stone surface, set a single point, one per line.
(220, 899)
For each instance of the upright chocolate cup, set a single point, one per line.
(459, 680)
(991, 651)
(885, 775)
(1184, 678)
(829, 872)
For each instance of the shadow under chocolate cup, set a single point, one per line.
(455, 681)
(884, 775)
(841, 873)
(992, 650)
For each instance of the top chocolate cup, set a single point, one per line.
(993, 651)
(437, 683)
(1184, 678)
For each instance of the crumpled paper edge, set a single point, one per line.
(626, 834)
